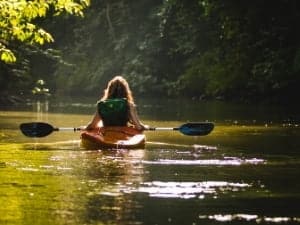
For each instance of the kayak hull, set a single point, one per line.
(113, 138)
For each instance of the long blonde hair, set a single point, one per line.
(118, 87)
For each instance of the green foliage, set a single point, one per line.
(40, 89)
(18, 17)
(122, 38)
(197, 48)
(204, 49)
(7, 55)
(255, 50)
(22, 38)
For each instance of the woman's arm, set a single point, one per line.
(133, 117)
(94, 122)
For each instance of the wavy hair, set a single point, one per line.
(118, 87)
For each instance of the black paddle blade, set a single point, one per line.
(196, 129)
(37, 129)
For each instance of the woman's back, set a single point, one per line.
(114, 111)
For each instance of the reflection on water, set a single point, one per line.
(41, 108)
(185, 190)
(229, 161)
(247, 217)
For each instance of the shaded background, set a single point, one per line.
(201, 49)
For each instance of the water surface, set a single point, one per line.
(245, 172)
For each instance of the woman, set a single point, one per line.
(116, 107)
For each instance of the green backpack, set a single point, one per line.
(114, 111)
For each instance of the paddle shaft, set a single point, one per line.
(67, 129)
(162, 128)
(149, 129)
(81, 129)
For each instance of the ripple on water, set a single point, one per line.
(249, 217)
(226, 161)
(184, 190)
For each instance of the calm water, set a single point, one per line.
(245, 172)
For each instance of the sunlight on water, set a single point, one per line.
(56, 145)
(227, 161)
(184, 190)
(205, 147)
(249, 217)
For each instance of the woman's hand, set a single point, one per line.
(145, 127)
(83, 127)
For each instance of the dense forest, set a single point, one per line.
(201, 49)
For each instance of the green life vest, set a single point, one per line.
(114, 112)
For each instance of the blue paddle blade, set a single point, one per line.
(36, 129)
(196, 129)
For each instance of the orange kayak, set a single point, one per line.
(113, 138)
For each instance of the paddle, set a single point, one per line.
(40, 129)
(191, 129)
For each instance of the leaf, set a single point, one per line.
(7, 56)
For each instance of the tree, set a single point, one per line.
(18, 22)
(22, 37)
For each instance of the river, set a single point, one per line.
(245, 172)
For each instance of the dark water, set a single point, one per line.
(245, 172)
